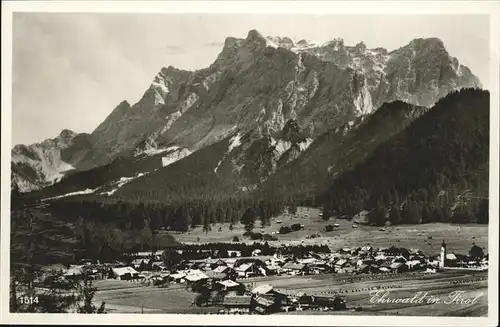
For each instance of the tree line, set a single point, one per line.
(38, 240)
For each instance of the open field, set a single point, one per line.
(128, 297)
(426, 237)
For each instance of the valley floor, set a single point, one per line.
(133, 297)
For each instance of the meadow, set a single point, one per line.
(426, 237)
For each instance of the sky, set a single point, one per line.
(70, 70)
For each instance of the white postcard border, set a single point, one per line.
(247, 7)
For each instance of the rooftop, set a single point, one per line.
(262, 289)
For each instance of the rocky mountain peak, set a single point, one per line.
(254, 35)
(291, 92)
(255, 39)
(66, 136)
(335, 43)
(230, 42)
(360, 47)
(430, 42)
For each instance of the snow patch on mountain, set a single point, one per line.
(22, 184)
(208, 81)
(86, 191)
(162, 87)
(61, 169)
(280, 147)
(191, 99)
(176, 155)
(234, 142)
(277, 120)
(305, 45)
(249, 188)
(159, 85)
(363, 102)
(122, 181)
(48, 162)
(305, 144)
(152, 151)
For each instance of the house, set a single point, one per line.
(201, 266)
(227, 285)
(398, 267)
(345, 250)
(340, 263)
(237, 303)
(343, 266)
(266, 304)
(195, 276)
(158, 266)
(218, 263)
(313, 260)
(158, 253)
(228, 271)
(385, 266)
(302, 300)
(222, 269)
(125, 273)
(433, 261)
(215, 275)
(262, 289)
(196, 281)
(267, 300)
(178, 277)
(144, 255)
(367, 248)
(335, 303)
(86, 261)
(247, 270)
(138, 263)
(295, 268)
(54, 269)
(451, 260)
(256, 252)
(320, 269)
(414, 264)
(399, 258)
(74, 272)
(368, 269)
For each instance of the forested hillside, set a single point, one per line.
(435, 170)
(338, 150)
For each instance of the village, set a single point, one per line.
(232, 284)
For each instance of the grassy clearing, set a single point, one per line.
(426, 237)
(124, 296)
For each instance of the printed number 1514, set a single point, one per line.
(28, 300)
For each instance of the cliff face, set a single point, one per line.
(44, 163)
(253, 90)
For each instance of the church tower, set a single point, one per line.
(443, 255)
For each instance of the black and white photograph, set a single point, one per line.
(216, 165)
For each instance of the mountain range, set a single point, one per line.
(268, 114)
